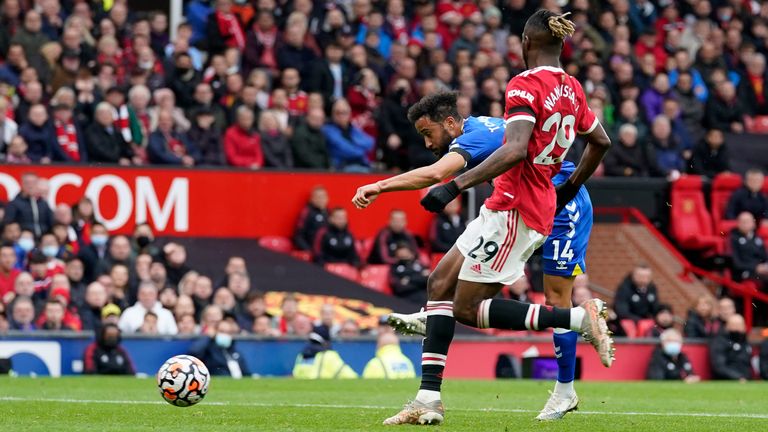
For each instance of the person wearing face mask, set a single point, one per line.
(730, 353)
(219, 352)
(105, 356)
(91, 255)
(668, 362)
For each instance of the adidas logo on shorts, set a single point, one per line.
(476, 268)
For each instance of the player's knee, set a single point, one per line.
(438, 288)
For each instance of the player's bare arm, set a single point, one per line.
(598, 144)
(416, 179)
(515, 149)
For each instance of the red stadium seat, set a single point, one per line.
(364, 247)
(723, 186)
(302, 255)
(376, 277)
(691, 224)
(276, 243)
(424, 258)
(343, 270)
(644, 327)
(757, 125)
(630, 329)
(434, 260)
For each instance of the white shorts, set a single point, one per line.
(496, 247)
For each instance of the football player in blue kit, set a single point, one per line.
(464, 143)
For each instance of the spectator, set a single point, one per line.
(28, 210)
(23, 286)
(702, 320)
(637, 297)
(752, 89)
(168, 147)
(202, 294)
(274, 144)
(223, 29)
(149, 325)
(143, 239)
(104, 143)
(133, 317)
(726, 308)
(308, 142)
(289, 309)
(96, 252)
(105, 356)
(8, 127)
(334, 243)
(183, 79)
(663, 319)
(209, 319)
(725, 111)
(710, 156)
(260, 43)
(396, 133)
(39, 135)
(119, 253)
(186, 324)
(748, 198)
(750, 259)
(631, 158)
(668, 362)
(158, 275)
(254, 306)
(313, 217)
(204, 101)
(70, 141)
(95, 302)
(54, 317)
(31, 38)
(408, 277)
(348, 146)
(74, 271)
(668, 148)
(652, 99)
(8, 270)
(175, 262)
(17, 151)
(389, 362)
(730, 353)
(318, 361)
(22, 314)
(242, 145)
(387, 239)
(691, 104)
(331, 75)
(206, 137)
(219, 352)
(447, 227)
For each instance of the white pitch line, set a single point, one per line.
(380, 407)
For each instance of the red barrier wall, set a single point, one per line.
(470, 359)
(213, 203)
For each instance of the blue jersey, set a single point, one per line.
(565, 249)
(481, 137)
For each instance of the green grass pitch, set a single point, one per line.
(130, 404)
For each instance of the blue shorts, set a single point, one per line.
(565, 250)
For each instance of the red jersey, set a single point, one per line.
(555, 103)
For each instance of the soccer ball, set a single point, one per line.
(183, 380)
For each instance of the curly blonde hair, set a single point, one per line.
(560, 26)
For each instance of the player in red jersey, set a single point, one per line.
(545, 108)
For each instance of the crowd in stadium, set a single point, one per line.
(326, 85)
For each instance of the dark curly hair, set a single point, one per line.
(436, 107)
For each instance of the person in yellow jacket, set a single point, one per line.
(319, 361)
(390, 362)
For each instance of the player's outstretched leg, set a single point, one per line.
(563, 398)
(440, 325)
(471, 308)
